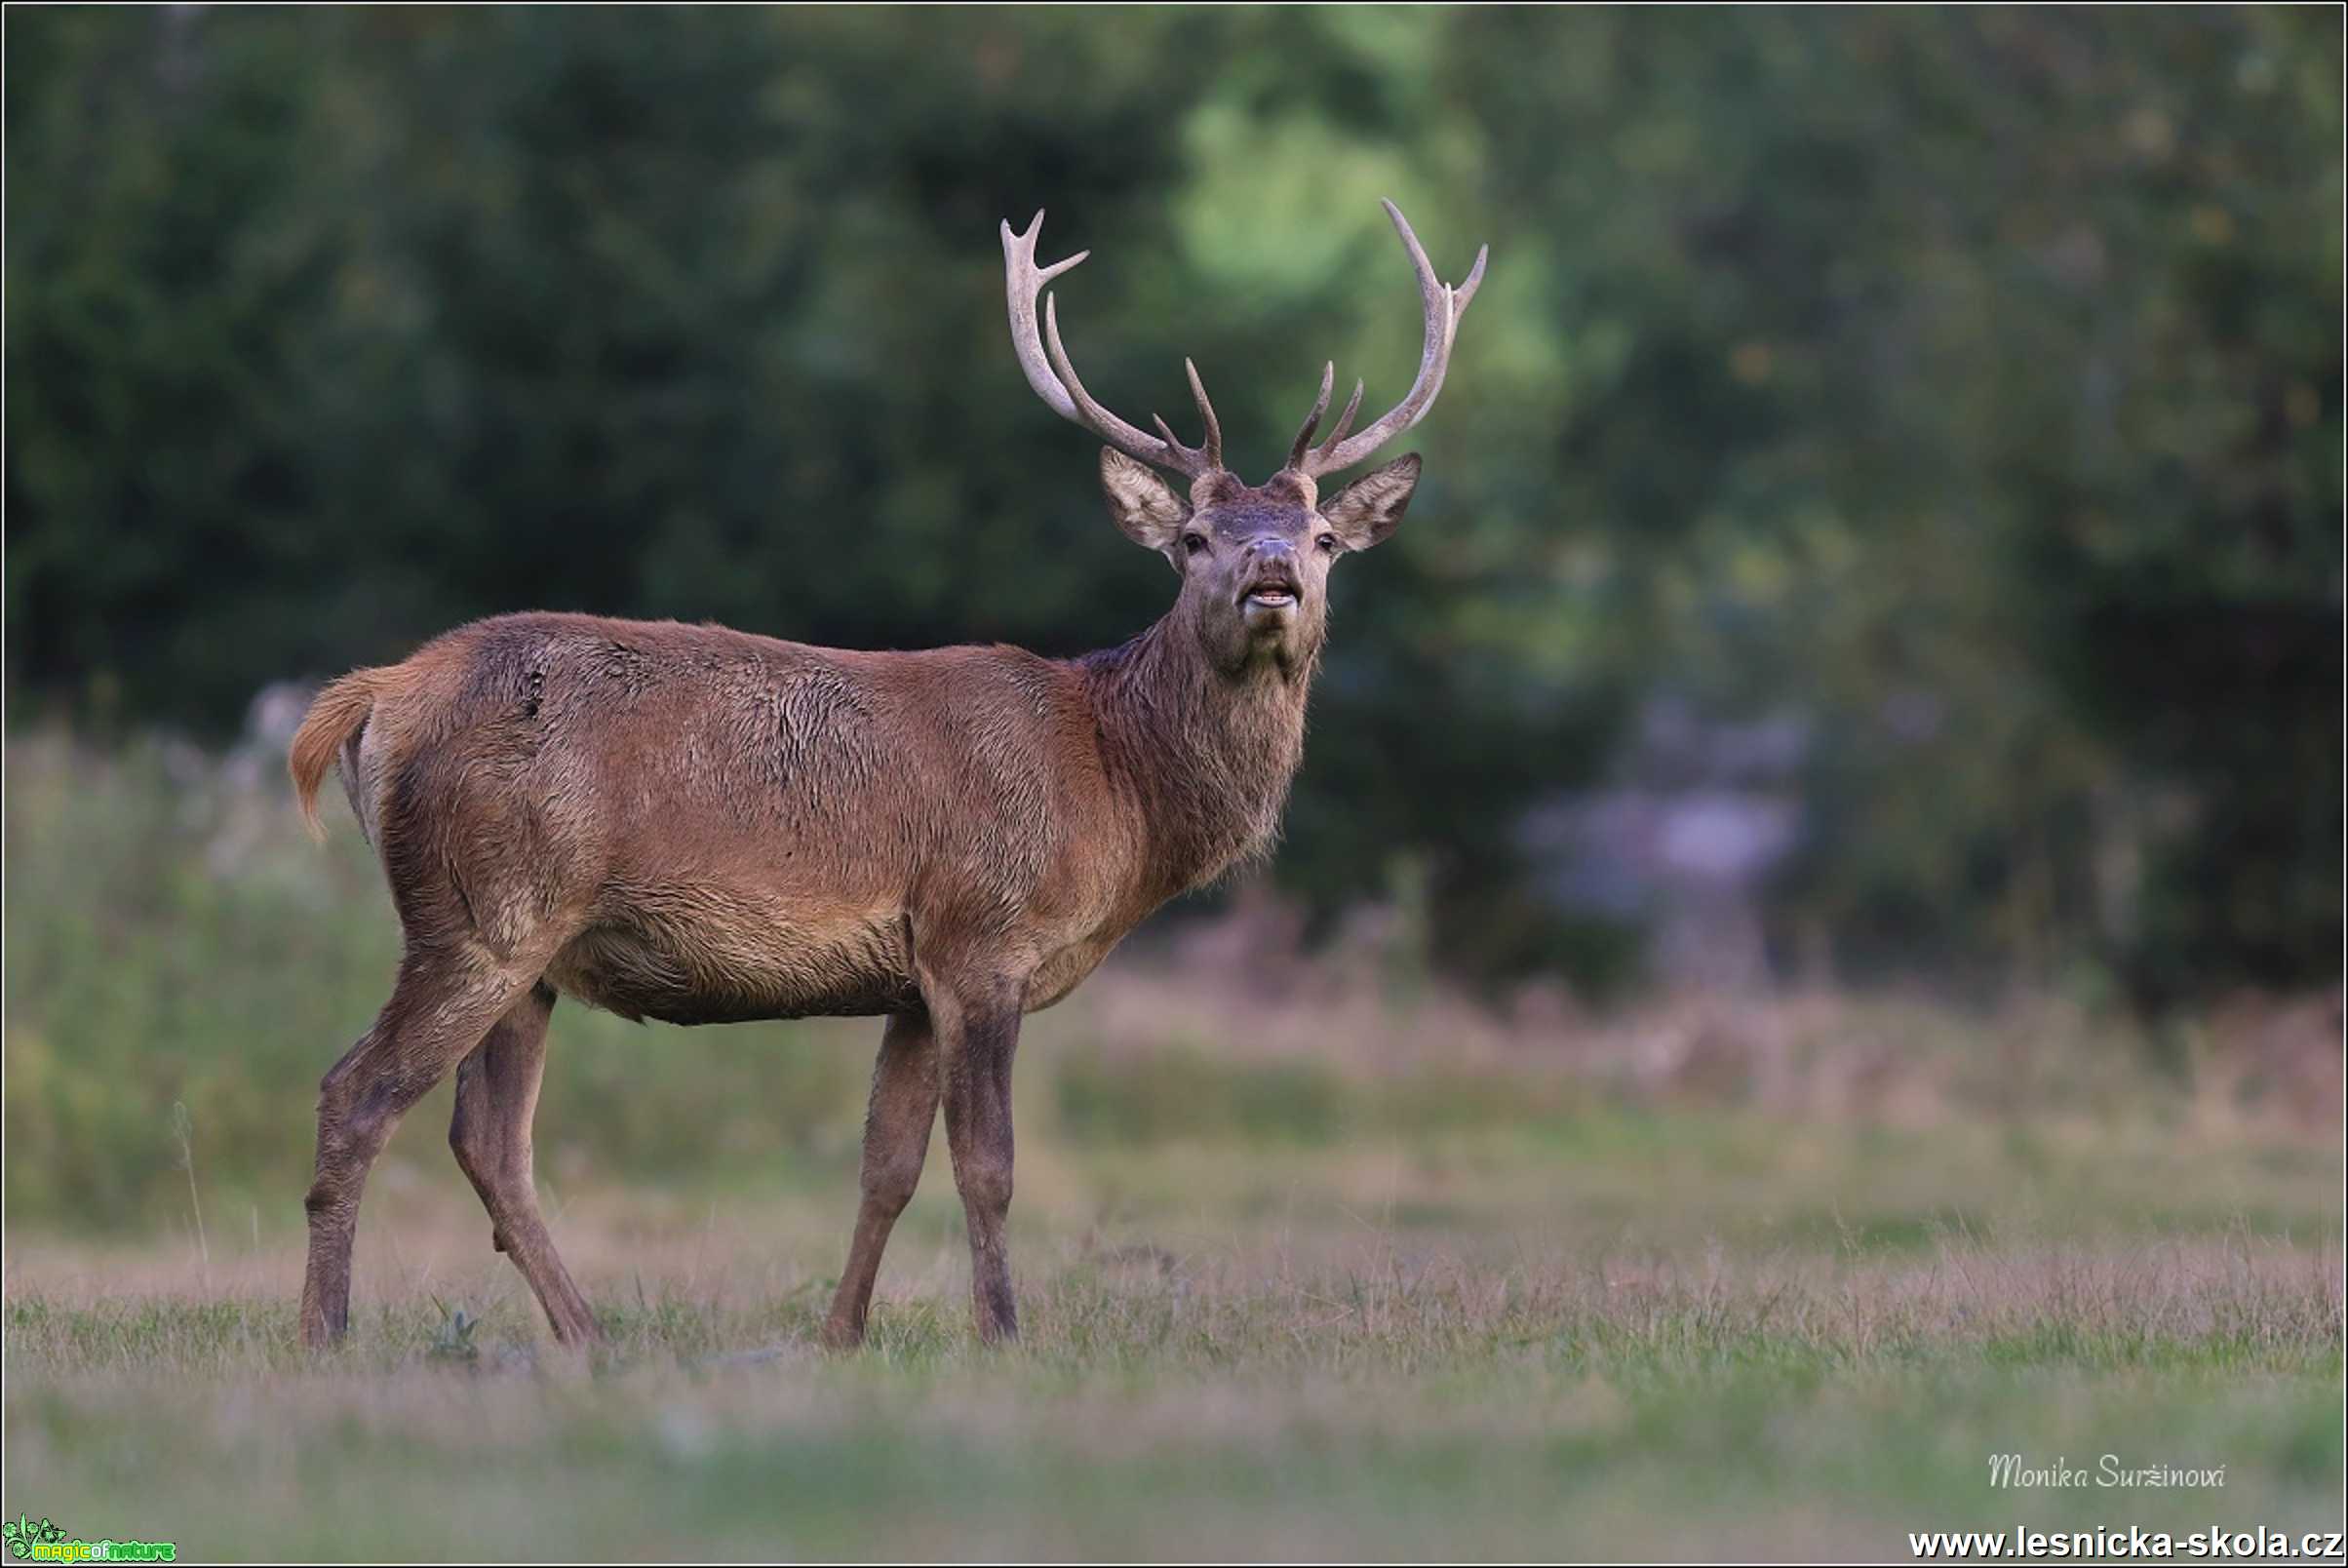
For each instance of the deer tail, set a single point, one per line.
(338, 713)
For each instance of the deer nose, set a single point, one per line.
(1271, 547)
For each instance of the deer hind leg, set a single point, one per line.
(497, 1099)
(897, 1143)
(444, 1003)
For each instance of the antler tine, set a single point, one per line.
(1167, 453)
(1475, 281)
(1212, 450)
(1025, 281)
(1320, 406)
(1345, 420)
(1045, 360)
(1443, 306)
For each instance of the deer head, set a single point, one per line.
(1254, 560)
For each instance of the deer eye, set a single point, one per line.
(1194, 543)
(1326, 542)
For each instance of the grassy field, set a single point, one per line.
(1314, 1260)
(1614, 1336)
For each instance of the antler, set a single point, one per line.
(1054, 378)
(1444, 306)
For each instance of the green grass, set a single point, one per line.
(1228, 1404)
(1309, 1266)
(1621, 1342)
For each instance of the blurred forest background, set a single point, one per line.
(1883, 523)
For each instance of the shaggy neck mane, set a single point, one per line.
(1208, 755)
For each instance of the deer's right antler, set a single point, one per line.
(1444, 306)
(1055, 380)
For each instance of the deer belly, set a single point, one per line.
(711, 958)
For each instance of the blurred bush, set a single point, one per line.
(1963, 389)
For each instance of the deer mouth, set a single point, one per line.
(1270, 591)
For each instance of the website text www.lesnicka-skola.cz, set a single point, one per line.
(2214, 1545)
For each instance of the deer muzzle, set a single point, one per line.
(1270, 586)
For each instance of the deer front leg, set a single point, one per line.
(977, 1035)
(897, 1143)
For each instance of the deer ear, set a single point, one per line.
(1366, 511)
(1144, 505)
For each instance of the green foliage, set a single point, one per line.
(1968, 383)
(453, 1340)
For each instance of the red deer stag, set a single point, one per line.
(703, 826)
